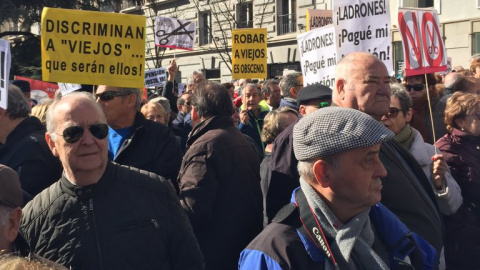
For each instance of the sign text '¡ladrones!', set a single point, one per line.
(94, 29)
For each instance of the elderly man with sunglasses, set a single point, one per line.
(421, 120)
(134, 140)
(101, 215)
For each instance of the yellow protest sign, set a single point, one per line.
(90, 47)
(249, 53)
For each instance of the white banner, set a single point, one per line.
(364, 25)
(155, 77)
(5, 61)
(174, 33)
(66, 88)
(318, 55)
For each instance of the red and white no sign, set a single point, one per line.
(423, 46)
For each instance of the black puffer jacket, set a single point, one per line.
(130, 219)
(27, 152)
(151, 147)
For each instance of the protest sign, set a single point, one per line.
(89, 47)
(423, 47)
(318, 18)
(174, 33)
(48, 88)
(249, 53)
(66, 88)
(363, 25)
(155, 77)
(5, 61)
(181, 88)
(318, 56)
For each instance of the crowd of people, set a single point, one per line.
(376, 173)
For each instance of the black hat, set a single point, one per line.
(312, 92)
(23, 85)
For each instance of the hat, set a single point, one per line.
(164, 102)
(334, 130)
(312, 92)
(10, 192)
(23, 85)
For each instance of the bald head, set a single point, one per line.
(362, 83)
(450, 79)
(73, 99)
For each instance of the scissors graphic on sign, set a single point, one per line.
(164, 35)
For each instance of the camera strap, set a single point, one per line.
(311, 228)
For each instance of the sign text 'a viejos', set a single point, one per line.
(88, 47)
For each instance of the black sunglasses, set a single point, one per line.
(74, 133)
(109, 95)
(392, 112)
(416, 87)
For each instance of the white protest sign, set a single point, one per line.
(364, 25)
(318, 55)
(174, 33)
(181, 88)
(155, 77)
(66, 88)
(423, 46)
(5, 61)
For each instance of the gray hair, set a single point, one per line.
(249, 85)
(138, 95)
(288, 81)
(18, 106)
(398, 91)
(305, 168)
(267, 84)
(50, 122)
(190, 79)
(5, 214)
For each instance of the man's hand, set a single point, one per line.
(172, 70)
(244, 118)
(439, 167)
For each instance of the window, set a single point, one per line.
(204, 24)
(245, 15)
(287, 16)
(416, 3)
(475, 43)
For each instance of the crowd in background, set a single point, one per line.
(206, 170)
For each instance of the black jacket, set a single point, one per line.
(220, 190)
(27, 152)
(130, 219)
(151, 147)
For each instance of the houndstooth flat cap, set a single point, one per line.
(333, 130)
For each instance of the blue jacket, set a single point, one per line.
(282, 246)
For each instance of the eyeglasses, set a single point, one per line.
(392, 112)
(187, 103)
(109, 95)
(323, 104)
(416, 87)
(74, 133)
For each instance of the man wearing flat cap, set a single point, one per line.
(335, 220)
(25, 88)
(284, 174)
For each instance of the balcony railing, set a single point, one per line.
(287, 24)
(245, 24)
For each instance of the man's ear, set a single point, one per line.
(302, 109)
(340, 88)
(51, 144)
(179, 107)
(194, 115)
(293, 92)
(321, 171)
(409, 115)
(14, 224)
(132, 100)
